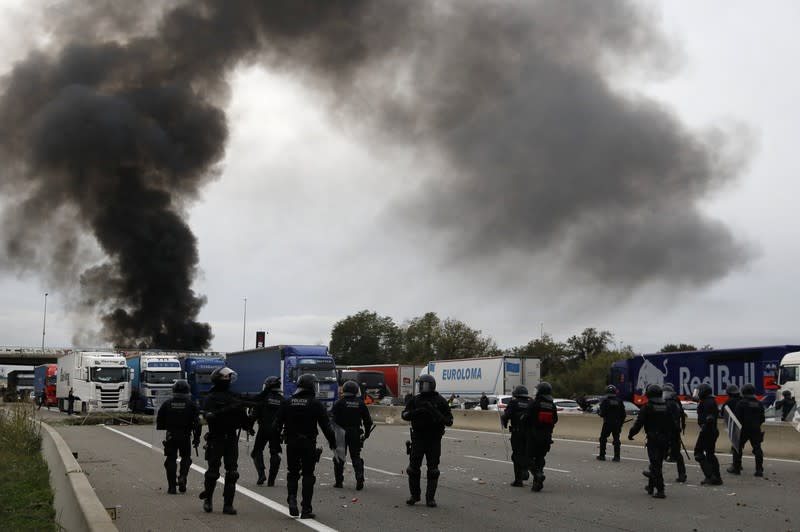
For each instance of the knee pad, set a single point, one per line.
(412, 472)
(275, 459)
(433, 473)
(212, 475)
(231, 476)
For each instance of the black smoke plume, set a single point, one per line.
(116, 126)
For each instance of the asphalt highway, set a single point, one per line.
(580, 493)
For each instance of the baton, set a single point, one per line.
(503, 431)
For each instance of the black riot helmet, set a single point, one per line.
(669, 390)
(350, 388)
(611, 390)
(426, 384)
(181, 387)
(704, 390)
(544, 388)
(748, 390)
(272, 383)
(732, 390)
(787, 393)
(520, 391)
(306, 382)
(653, 392)
(223, 377)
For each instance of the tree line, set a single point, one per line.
(577, 366)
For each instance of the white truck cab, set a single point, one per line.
(98, 379)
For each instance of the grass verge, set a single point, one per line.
(26, 500)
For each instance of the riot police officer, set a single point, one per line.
(429, 414)
(678, 415)
(541, 417)
(269, 401)
(299, 417)
(750, 413)
(514, 413)
(612, 410)
(180, 418)
(705, 447)
(658, 426)
(226, 417)
(786, 405)
(733, 399)
(349, 414)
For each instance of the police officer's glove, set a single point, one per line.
(251, 431)
(196, 442)
(630, 436)
(505, 424)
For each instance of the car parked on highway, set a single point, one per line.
(567, 405)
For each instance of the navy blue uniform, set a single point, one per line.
(265, 412)
(705, 447)
(181, 419)
(540, 419)
(750, 413)
(658, 424)
(514, 414)
(676, 412)
(429, 414)
(612, 410)
(350, 413)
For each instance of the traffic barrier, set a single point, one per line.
(76, 504)
(781, 440)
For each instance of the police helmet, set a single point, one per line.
(668, 387)
(427, 384)
(306, 382)
(748, 390)
(520, 391)
(350, 388)
(544, 388)
(704, 390)
(787, 393)
(611, 390)
(223, 375)
(654, 391)
(180, 387)
(272, 383)
(732, 390)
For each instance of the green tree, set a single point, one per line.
(589, 343)
(366, 338)
(457, 340)
(419, 338)
(674, 348)
(589, 378)
(553, 355)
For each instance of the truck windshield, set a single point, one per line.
(161, 377)
(321, 374)
(369, 379)
(789, 374)
(109, 374)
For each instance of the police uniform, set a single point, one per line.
(733, 399)
(349, 414)
(750, 413)
(180, 417)
(299, 417)
(225, 416)
(705, 447)
(541, 418)
(429, 414)
(265, 412)
(678, 415)
(514, 414)
(658, 425)
(612, 410)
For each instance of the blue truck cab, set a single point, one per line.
(287, 362)
(152, 377)
(197, 370)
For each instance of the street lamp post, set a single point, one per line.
(44, 320)
(244, 323)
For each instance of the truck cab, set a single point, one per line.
(322, 368)
(789, 374)
(197, 370)
(99, 380)
(152, 380)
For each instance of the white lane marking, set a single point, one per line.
(449, 438)
(788, 460)
(371, 468)
(310, 523)
(648, 461)
(507, 462)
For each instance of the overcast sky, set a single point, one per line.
(304, 220)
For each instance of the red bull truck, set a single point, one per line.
(686, 370)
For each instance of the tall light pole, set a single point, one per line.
(244, 322)
(44, 320)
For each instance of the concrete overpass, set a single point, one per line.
(30, 356)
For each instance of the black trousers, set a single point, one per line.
(267, 436)
(429, 448)
(538, 445)
(177, 443)
(613, 430)
(705, 451)
(519, 452)
(755, 437)
(675, 454)
(352, 442)
(656, 452)
(221, 448)
(301, 459)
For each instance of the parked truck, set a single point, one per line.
(471, 377)
(381, 380)
(287, 362)
(44, 384)
(19, 386)
(197, 369)
(152, 376)
(99, 381)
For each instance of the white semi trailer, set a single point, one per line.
(99, 381)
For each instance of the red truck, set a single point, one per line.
(44, 379)
(381, 380)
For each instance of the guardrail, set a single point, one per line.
(781, 439)
(76, 504)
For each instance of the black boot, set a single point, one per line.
(538, 481)
(262, 477)
(338, 473)
(517, 477)
(414, 488)
(172, 470)
(616, 452)
(430, 490)
(358, 467)
(274, 467)
(186, 463)
(208, 493)
(291, 499)
(228, 492)
(308, 494)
